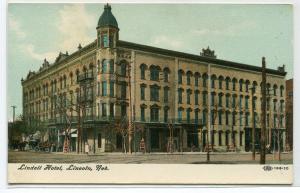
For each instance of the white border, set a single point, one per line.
(3, 124)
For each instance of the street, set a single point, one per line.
(152, 158)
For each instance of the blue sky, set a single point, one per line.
(241, 33)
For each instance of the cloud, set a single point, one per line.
(31, 51)
(74, 25)
(15, 26)
(169, 42)
(235, 29)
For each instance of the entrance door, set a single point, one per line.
(154, 139)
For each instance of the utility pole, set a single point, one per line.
(263, 120)
(253, 124)
(14, 108)
(130, 112)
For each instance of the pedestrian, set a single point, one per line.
(86, 148)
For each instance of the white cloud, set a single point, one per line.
(229, 30)
(165, 41)
(15, 26)
(74, 25)
(31, 51)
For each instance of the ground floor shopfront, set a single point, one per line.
(154, 137)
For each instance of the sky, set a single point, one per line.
(240, 33)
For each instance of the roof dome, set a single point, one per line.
(107, 19)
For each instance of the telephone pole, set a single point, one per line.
(14, 108)
(263, 119)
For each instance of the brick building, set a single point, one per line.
(165, 97)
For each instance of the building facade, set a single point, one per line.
(289, 113)
(169, 100)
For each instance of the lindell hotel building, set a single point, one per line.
(162, 95)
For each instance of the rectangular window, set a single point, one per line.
(188, 98)
(104, 110)
(188, 116)
(104, 88)
(142, 113)
(247, 103)
(204, 99)
(111, 88)
(142, 93)
(166, 95)
(111, 66)
(111, 110)
(180, 96)
(166, 115)
(196, 116)
(196, 98)
(154, 114)
(154, 93)
(196, 81)
(123, 90)
(179, 115)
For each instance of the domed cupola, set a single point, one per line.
(107, 19)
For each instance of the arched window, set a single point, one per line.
(213, 78)
(180, 74)
(154, 113)
(154, 73)
(275, 89)
(234, 81)
(281, 90)
(227, 80)
(180, 111)
(65, 81)
(123, 68)
(188, 77)
(221, 78)
(166, 74)
(188, 96)
(143, 68)
(204, 77)
(180, 91)
(197, 76)
(241, 81)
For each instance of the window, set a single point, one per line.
(212, 99)
(204, 117)
(197, 79)
(196, 116)
(241, 86)
(154, 114)
(65, 81)
(112, 88)
(240, 102)
(166, 110)
(275, 89)
(247, 86)
(274, 121)
(233, 101)
(227, 101)
(180, 96)
(123, 90)
(220, 117)
(143, 92)
(143, 69)
(204, 95)
(104, 112)
(154, 93)
(247, 119)
(196, 97)
(104, 88)
(233, 118)
(99, 140)
(111, 110)
(212, 82)
(281, 106)
(154, 73)
(268, 120)
(188, 96)
(111, 67)
(188, 78)
(227, 83)
(166, 94)
(204, 83)
(227, 117)
(268, 104)
(220, 100)
(104, 66)
(281, 91)
(188, 115)
(247, 102)
(180, 114)
(233, 84)
(142, 113)
(105, 40)
(180, 74)
(166, 75)
(254, 102)
(274, 105)
(220, 83)
(123, 110)
(281, 121)
(241, 118)
(123, 69)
